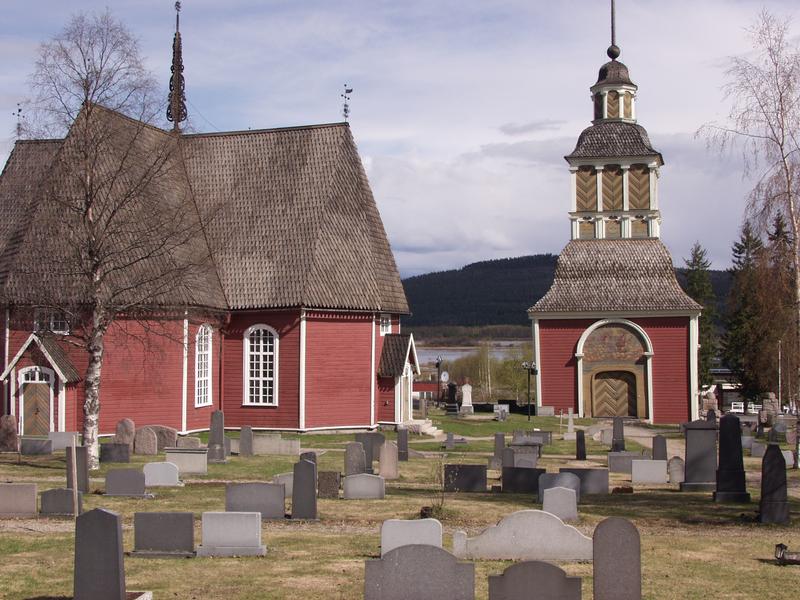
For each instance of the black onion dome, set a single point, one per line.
(614, 72)
(610, 139)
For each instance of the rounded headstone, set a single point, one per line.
(145, 442)
(126, 431)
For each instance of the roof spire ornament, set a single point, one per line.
(613, 50)
(176, 104)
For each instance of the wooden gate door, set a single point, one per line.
(614, 394)
(36, 400)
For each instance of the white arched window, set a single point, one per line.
(261, 366)
(202, 366)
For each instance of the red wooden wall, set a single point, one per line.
(385, 400)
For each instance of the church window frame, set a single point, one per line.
(203, 354)
(261, 354)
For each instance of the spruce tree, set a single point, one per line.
(698, 286)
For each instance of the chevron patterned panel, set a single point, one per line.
(628, 105)
(639, 229)
(639, 187)
(587, 230)
(614, 394)
(612, 188)
(586, 189)
(613, 230)
(612, 102)
(598, 106)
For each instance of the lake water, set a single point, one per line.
(498, 349)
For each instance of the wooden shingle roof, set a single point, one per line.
(623, 275)
(397, 348)
(614, 139)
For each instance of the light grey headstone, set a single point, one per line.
(31, 446)
(757, 449)
(246, 441)
(231, 534)
(606, 436)
(546, 411)
(355, 461)
(287, 481)
(163, 534)
(418, 571)
(525, 535)
(400, 532)
(216, 438)
(561, 502)
(534, 580)
(304, 490)
(364, 487)
(593, 481)
(62, 439)
(126, 482)
(145, 442)
(788, 456)
(59, 502)
(649, 472)
(81, 468)
(273, 443)
(161, 474)
(747, 442)
(566, 480)
(388, 461)
(18, 500)
(675, 469)
(267, 499)
(617, 561)
(98, 571)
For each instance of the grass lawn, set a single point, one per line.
(691, 547)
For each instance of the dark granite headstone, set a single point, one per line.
(9, 442)
(309, 456)
(711, 416)
(449, 442)
(402, 444)
(731, 485)
(418, 571)
(534, 580)
(521, 480)
(465, 478)
(163, 534)
(617, 560)
(115, 453)
(618, 436)
(328, 483)
(35, 446)
(772, 436)
(580, 445)
(246, 441)
(760, 430)
(265, 498)
(355, 461)
(621, 462)
(659, 448)
(99, 573)
(304, 490)
(774, 505)
(593, 481)
(82, 459)
(499, 445)
(126, 482)
(216, 438)
(701, 457)
(59, 502)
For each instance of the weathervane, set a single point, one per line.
(613, 50)
(346, 105)
(176, 105)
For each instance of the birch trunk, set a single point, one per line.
(91, 405)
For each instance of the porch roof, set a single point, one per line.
(54, 354)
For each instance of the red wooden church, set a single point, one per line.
(616, 335)
(296, 325)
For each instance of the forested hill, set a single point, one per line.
(496, 292)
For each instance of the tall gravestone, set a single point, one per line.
(731, 486)
(580, 445)
(701, 457)
(570, 434)
(617, 557)
(372, 441)
(618, 436)
(388, 461)
(659, 448)
(402, 444)
(304, 490)
(246, 441)
(774, 505)
(216, 438)
(99, 573)
(355, 461)
(9, 441)
(82, 468)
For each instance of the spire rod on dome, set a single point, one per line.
(613, 50)
(176, 104)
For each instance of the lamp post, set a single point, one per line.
(530, 369)
(438, 378)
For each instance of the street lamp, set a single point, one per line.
(530, 368)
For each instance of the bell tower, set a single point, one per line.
(614, 168)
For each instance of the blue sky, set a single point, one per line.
(462, 109)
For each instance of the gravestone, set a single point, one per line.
(246, 441)
(126, 482)
(145, 442)
(788, 456)
(267, 499)
(466, 400)
(304, 492)
(216, 438)
(163, 534)
(593, 481)
(675, 468)
(570, 434)
(60, 502)
(757, 449)
(731, 486)
(534, 580)
(29, 446)
(465, 478)
(580, 445)
(82, 468)
(115, 453)
(399, 532)
(273, 443)
(189, 442)
(517, 480)
(287, 481)
(388, 461)
(364, 487)
(791, 437)
(125, 433)
(449, 442)
(747, 442)
(525, 461)
(774, 505)
(355, 461)
(402, 444)
(231, 534)
(565, 480)
(659, 448)
(561, 502)
(188, 460)
(701, 457)
(618, 435)
(545, 411)
(418, 571)
(163, 474)
(99, 573)
(372, 442)
(328, 483)
(9, 441)
(227, 446)
(525, 535)
(508, 457)
(617, 560)
(620, 462)
(17, 500)
(606, 436)
(309, 456)
(62, 439)
(166, 437)
(499, 446)
(649, 472)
